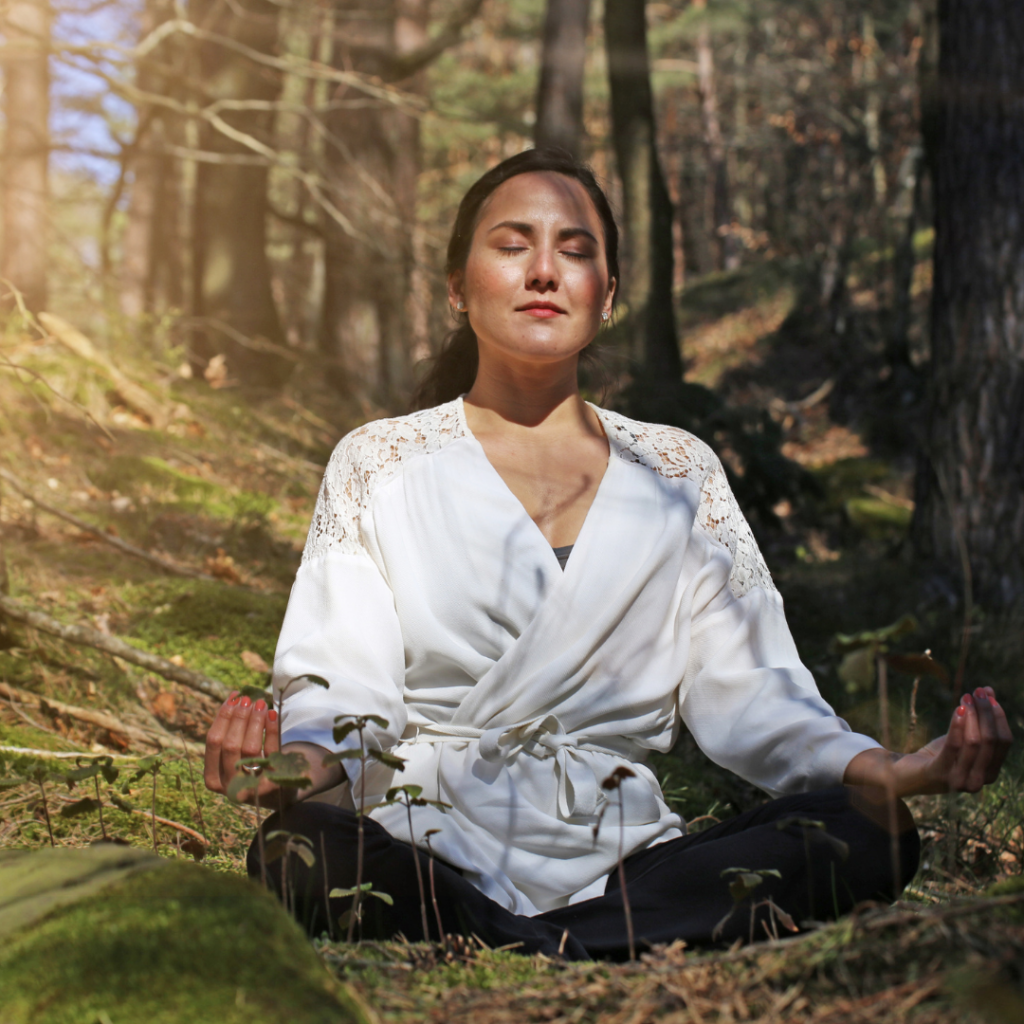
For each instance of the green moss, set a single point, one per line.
(208, 624)
(179, 943)
(877, 518)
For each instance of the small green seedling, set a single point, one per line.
(366, 889)
(613, 782)
(151, 766)
(39, 773)
(280, 846)
(409, 796)
(433, 889)
(90, 768)
(344, 726)
(742, 886)
(286, 771)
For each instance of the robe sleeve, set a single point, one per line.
(746, 697)
(340, 625)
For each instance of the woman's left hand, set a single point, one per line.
(971, 753)
(968, 757)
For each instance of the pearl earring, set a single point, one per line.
(460, 306)
(605, 315)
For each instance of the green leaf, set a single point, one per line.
(294, 763)
(875, 637)
(121, 805)
(13, 782)
(410, 791)
(305, 854)
(151, 763)
(341, 755)
(382, 896)
(292, 781)
(80, 807)
(83, 773)
(315, 680)
(341, 731)
(388, 760)
(110, 773)
(377, 720)
(239, 785)
(857, 669)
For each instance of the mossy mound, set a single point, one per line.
(173, 942)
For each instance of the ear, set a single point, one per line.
(610, 297)
(455, 295)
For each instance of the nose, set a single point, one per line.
(542, 273)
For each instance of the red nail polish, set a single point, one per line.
(961, 711)
(979, 692)
(260, 705)
(246, 702)
(968, 699)
(233, 701)
(272, 715)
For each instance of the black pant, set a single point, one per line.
(827, 846)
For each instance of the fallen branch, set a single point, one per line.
(129, 549)
(151, 737)
(32, 752)
(134, 394)
(112, 645)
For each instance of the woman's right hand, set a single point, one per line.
(242, 728)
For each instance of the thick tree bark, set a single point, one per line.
(971, 483)
(647, 288)
(231, 272)
(560, 93)
(26, 104)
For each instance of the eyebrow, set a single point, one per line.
(527, 229)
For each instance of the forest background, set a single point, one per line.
(222, 235)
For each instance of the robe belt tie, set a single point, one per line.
(579, 790)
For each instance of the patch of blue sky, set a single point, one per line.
(89, 121)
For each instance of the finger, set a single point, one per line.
(962, 777)
(231, 748)
(214, 739)
(987, 731)
(252, 741)
(1004, 738)
(272, 738)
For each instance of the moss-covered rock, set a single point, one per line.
(161, 942)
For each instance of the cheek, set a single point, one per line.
(488, 278)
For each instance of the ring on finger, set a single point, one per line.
(252, 769)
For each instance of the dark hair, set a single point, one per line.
(455, 365)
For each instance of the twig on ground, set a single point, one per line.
(99, 718)
(112, 645)
(152, 817)
(167, 564)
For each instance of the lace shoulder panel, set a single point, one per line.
(362, 462)
(674, 453)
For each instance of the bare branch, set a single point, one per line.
(112, 645)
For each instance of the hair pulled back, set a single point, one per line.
(454, 367)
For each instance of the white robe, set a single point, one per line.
(429, 597)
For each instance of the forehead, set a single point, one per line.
(541, 197)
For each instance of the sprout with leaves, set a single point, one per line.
(280, 846)
(744, 883)
(37, 772)
(409, 796)
(344, 726)
(286, 771)
(151, 766)
(613, 782)
(90, 768)
(433, 889)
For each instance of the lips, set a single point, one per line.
(541, 310)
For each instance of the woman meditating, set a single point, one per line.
(533, 592)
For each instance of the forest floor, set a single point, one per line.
(225, 488)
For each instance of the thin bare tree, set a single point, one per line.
(26, 106)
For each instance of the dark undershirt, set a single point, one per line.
(562, 554)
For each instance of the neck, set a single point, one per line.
(526, 393)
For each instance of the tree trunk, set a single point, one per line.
(150, 265)
(26, 105)
(232, 285)
(560, 93)
(970, 486)
(648, 210)
(714, 144)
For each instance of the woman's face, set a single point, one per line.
(536, 280)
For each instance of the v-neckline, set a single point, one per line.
(464, 423)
